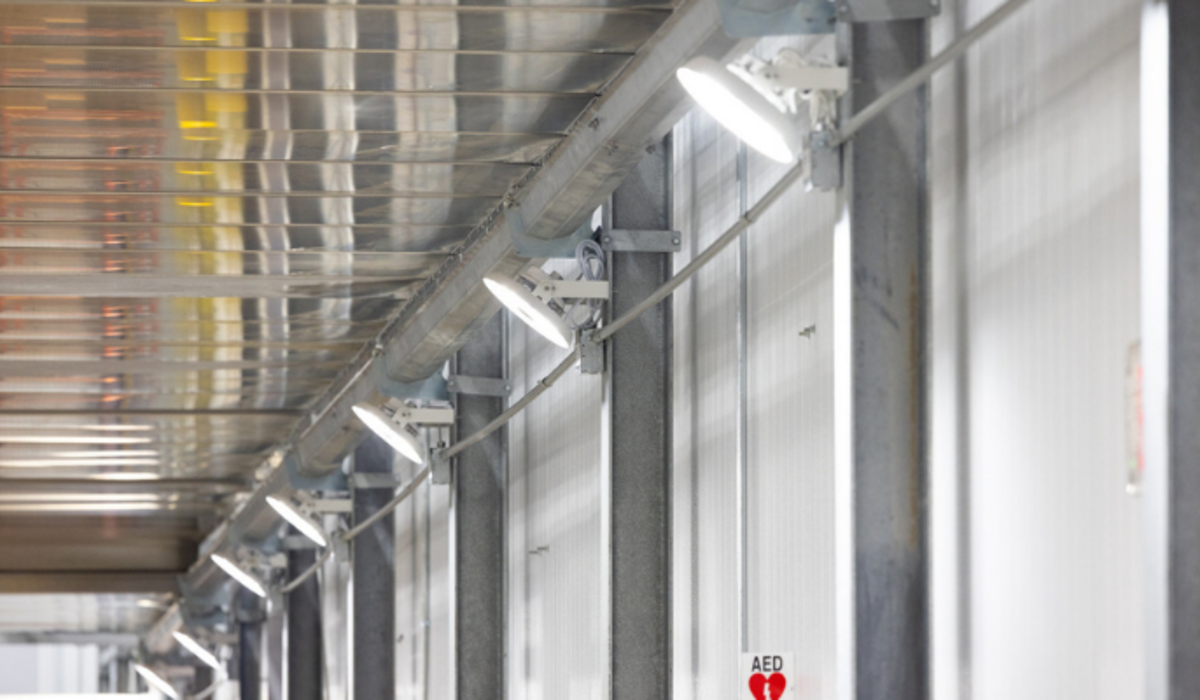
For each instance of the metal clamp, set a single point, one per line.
(440, 472)
(825, 162)
(591, 353)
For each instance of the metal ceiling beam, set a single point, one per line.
(89, 582)
(607, 142)
(143, 286)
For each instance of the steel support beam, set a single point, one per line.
(480, 476)
(374, 581)
(250, 618)
(639, 443)
(1171, 345)
(304, 658)
(888, 257)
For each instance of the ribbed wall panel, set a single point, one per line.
(791, 528)
(1047, 182)
(557, 630)
(705, 387)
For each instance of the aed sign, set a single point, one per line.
(769, 676)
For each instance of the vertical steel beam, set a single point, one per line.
(374, 581)
(889, 271)
(250, 647)
(480, 477)
(1171, 345)
(639, 401)
(304, 654)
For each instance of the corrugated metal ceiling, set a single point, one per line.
(208, 208)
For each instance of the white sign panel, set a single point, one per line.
(769, 676)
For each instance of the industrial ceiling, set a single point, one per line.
(220, 220)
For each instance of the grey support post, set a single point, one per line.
(1171, 345)
(639, 400)
(889, 244)
(480, 476)
(304, 661)
(374, 581)
(250, 617)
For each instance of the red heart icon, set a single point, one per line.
(759, 684)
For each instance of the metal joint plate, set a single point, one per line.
(886, 10)
(638, 241)
(479, 386)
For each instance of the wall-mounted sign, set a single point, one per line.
(769, 676)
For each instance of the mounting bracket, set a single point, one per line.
(640, 241)
(478, 386)
(825, 162)
(591, 353)
(538, 248)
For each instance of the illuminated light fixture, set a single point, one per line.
(237, 573)
(197, 650)
(533, 306)
(399, 430)
(750, 98)
(156, 681)
(298, 519)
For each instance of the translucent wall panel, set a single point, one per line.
(789, 403)
(423, 592)
(1035, 191)
(705, 373)
(557, 624)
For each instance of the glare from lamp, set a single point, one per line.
(298, 520)
(738, 107)
(197, 650)
(240, 575)
(529, 309)
(156, 681)
(394, 434)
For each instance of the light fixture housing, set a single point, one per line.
(243, 577)
(295, 516)
(401, 437)
(754, 98)
(740, 108)
(156, 681)
(533, 306)
(197, 649)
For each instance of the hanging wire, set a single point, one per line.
(592, 267)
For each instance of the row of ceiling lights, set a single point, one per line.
(740, 101)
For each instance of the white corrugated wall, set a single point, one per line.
(1034, 182)
(1035, 202)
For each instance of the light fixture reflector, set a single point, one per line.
(197, 650)
(391, 432)
(240, 575)
(529, 309)
(156, 681)
(738, 107)
(298, 520)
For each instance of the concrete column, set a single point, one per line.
(304, 659)
(374, 581)
(888, 256)
(639, 417)
(480, 477)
